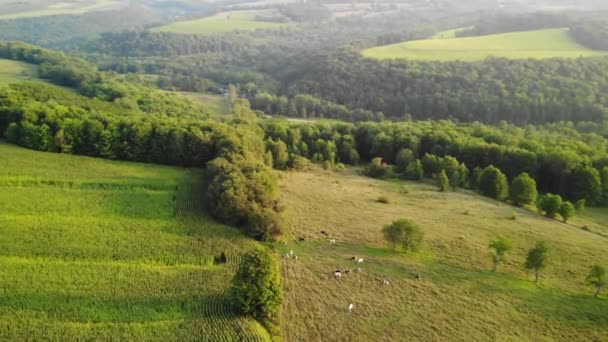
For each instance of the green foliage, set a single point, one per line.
(379, 169)
(442, 182)
(431, 165)
(566, 211)
(499, 247)
(586, 184)
(537, 258)
(404, 232)
(414, 170)
(549, 204)
(523, 190)
(244, 193)
(280, 156)
(493, 183)
(596, 278)
(256, 287)
(404, 157)
(580, 205)
(298, 163)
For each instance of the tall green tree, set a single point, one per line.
(597, 278)
(523, 190)
(537, 259)
(443, 183)
(256, 288)
(493, 183)
(499, 247)
(404, 157)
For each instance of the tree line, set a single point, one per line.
(561, 159)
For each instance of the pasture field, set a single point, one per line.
(219, 23)
(92, 249)
(217, 104)
(14, 71)
(457, 297)
(44, 8)
(537, 44)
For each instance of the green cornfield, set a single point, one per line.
(100, 250)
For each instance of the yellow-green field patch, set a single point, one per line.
(63, 8)
(14, 71)
(219, 23)
(537, 44)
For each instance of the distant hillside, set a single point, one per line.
(539, 44)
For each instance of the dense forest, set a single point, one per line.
(306, 81)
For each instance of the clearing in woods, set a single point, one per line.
(14, 71)
(457, 297)
(517, 45)
(91, 248)
(219, 23)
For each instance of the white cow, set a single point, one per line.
(338, 274)
(350, 307)
(332, 241)
(360, 260)
(385, 282)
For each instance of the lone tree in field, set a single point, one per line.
(537, 258)
(596, 278)
(493, 183)
(405, 232)
(443, 183)
(499, 248)
(393, 233)
(523, 190)
(256, 287)
(549, 204)
(566, 211)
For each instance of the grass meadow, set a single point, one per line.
(537, 44)
(217, 104)
(457, 296)
(14, 71)
(219, 23)
(92, 249)
(43, 8)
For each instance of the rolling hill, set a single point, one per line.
(219, 23)
(537, 44)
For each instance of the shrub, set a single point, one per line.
(379, 169)
(414, 170)
(298, 163)
(493, 183)
(523, 190)
(404, 232)
(549, 204)
(383, 199)
(442, 181)
(566, 211)
(256, 287)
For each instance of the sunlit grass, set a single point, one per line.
(538, 44)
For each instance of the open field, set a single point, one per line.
(219, 23)
(217, 104)
(532, 44)
(57, 8)
(93, 249)
(14, 71)
(457, 298)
